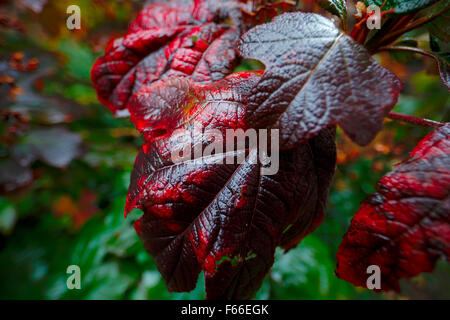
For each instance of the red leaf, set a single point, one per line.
(159, 109)
(405, 227)
(316, 76)
(165, 40)
(224, 219)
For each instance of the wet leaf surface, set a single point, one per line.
(404, 228)
(401, 6)
(315, 78)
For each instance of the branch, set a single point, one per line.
(410, 49)
(414, 120)
(360, 30)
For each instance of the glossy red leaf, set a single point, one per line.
(316, 76)
(223, 219)
(165, 40)
(159, 109)
(400, 6)
(56, 146)
(443, 61)
(13, 175)
(405, 227)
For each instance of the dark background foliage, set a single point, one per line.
(65, 164)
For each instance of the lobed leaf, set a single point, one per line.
(439, 27)
(316, 76)
(405, 227)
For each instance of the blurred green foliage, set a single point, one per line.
(52, 224)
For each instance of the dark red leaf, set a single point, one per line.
(248, 12)
(443, 61)
(165, 40)
(159, 109)
(316, 76)
(405, 227)
(223, 219)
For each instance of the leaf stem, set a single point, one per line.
(414, 120)
(410, 49)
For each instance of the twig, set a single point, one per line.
(414, 120)
(413, 50)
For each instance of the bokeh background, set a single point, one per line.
(65, 164)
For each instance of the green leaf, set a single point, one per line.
(440, 27)
(401, 6)
(307, 272)
(79, 59)
(152, 287)
(8, 217)
(402, 56)
(436, 9)
(336, 7)
(437, 45)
